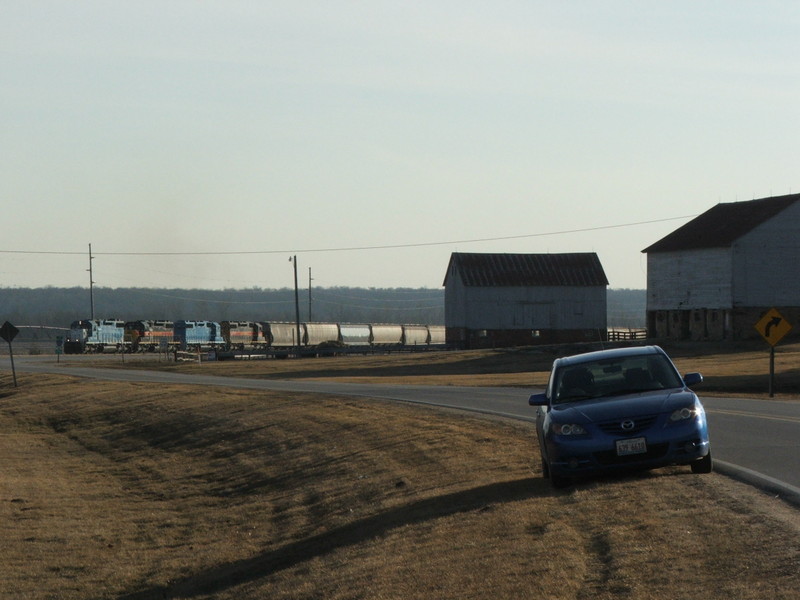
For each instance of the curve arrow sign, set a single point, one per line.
(773, 327)
(775, 321)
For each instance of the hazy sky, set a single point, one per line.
(374, 138)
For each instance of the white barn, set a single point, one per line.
(494, 300)
(717, 275)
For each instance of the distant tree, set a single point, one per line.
(58, 307)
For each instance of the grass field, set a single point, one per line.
(135, 491)
(741, 369)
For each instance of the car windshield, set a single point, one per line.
(614, 376)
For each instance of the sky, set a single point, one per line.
(200, 144)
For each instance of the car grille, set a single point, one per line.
(639, 424)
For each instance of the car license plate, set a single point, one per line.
(632, 446)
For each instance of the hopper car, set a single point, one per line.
(386, 334)
(355, 334)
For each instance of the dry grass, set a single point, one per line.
(727, 369)
(113, 490)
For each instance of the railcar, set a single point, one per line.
(199, 335)
(355, 334)
(436, 335)
(281, 334)
(386, 334)
(149, 335)
(415, 335)
(315, 334)
(243, 335)
(95, 335)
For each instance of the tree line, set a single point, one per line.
(58, 307)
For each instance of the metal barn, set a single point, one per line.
(496, 300)
(713, 278)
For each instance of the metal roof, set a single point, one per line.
(723, 224)
(574, 269)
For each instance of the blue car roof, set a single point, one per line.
(611, 353)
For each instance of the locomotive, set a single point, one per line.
(95, 335)
(100, 335)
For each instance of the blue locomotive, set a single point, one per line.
(95, 335)
(198, 334)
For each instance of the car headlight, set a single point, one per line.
(686, 413)
(569, 429)
(682, 414)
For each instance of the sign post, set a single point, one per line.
(773, 328)
(8, 332)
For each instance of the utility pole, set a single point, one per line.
(309, 294)
(296, 303)
(91, 284)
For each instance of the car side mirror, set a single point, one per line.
(538, 400)
(691, 379)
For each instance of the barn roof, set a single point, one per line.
(723, 224)
(574, 269)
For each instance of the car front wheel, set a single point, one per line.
(545, 469)
(559, 481)
(704, 465)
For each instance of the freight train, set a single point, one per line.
(116, 335)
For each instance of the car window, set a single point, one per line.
(614, 376)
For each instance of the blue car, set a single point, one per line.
(621, 409)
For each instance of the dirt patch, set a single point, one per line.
(114, 490)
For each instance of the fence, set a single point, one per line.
(619, 334)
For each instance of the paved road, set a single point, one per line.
(760, 436)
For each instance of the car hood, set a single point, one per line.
(628, 405)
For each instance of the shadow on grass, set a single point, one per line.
(239, 572)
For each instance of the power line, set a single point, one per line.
(432, 295)
(211, 301)
(381, 308)
(354, 248)
(289, 301)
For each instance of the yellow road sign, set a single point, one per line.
(773, 327)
